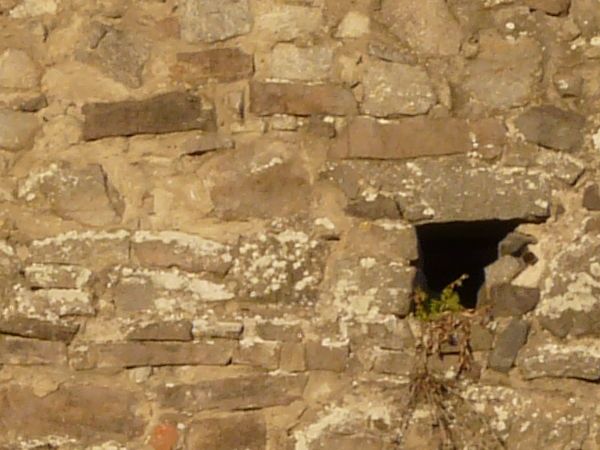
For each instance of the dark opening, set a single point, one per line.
(448, 250)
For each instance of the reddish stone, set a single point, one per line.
(164, 437)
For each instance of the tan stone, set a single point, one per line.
(552, 127)
(247, 431)
(394, 240)
(267, 98)
(165, 113)
(358, 442)
(17, 70)
(247, 392)
(218, 64)
(321, 356)
(39, 329)
(57, 276)
(17, 129)
(392, 89)
(414, 137)
(394, 362)
(162, 331)
(286, 22)
(135, 354)
(273, 331)
(259, 354)
(353, 25)
(17, 350)
(554, 7)
(292, 357)
(289, 62)
(214, 20)
(207, 329)
(50, 304)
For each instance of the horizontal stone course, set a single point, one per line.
(27, 352)
(218, 64)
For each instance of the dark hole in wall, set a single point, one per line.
(448, 250)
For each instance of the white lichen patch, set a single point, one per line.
(57, 276)
(50, 304)
(70, 236)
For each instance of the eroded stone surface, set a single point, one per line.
(18, 70)
(219, 64)
(240, 430)
(552, 127)
(214, 20)
(17, 129)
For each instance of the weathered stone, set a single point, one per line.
(227, 330)
(586, 15)
(267, 98)
(393, 362)
(514, 243)
(428, 26)
(284, 23)
(591, 197)
(33, 8)
(552, 127)
(424, 192)
(415, 137)
(377, 207)
(51, 304)
(258, 354)
(392, 334)
(33, 104)
(186, 251)
(120, 55)
(89, 248)
(164, 436)
(17, 129)
(165, 113)
(509, 300)
(571, 359)
(85, 194)
(214, 20)
(38, 329)
(162, 331)
(27, 352)
(246, 431)
(507, 345)
(554, 7)
(567, 83)
(392, 89)
(503, 270)
(57, 276)
(276, 331)
(248, 392)
(505, 72)
(136, 354)
(326, 356)
(217, 64)
(353, 25)
(346, 442)
(289, 62)
(205, 143)
(391, 239)
(292, 357)
(480, 338)
(570, 301)
(17, 70)
(88, 413)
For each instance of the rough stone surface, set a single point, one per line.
(220, 64)
(396, 89)
(166, 113)
(289, 62)
(591, 197)
(162, 331)
(509, 300)
(554, 7)
(267, 98)
(415, 137)
(507, 345)
(210, 20)
(17, 129)
(16, 350)
(38, 329)
(552, 127)
(18, 70)
(233, 431)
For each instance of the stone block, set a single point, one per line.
(510, 300)
(326, 356)
(258, 354)
(480, 338)
(553, 7)
(247, 431)
(246, 392)
(392, 89)
(207, 329)
(18, 70)
(387, 239)
(290, 62)
(164, 113)
(268, 98)
(175, 249)
(514, 243)
(39, 329)
(218, 64)
(292, 357)
(206, 142)
(392, 334)
(87, 413)
(28, 352)
(552, 127)
(180, 330)
(591, 197)
(286, 22)
(17, 129)
(137, 354)
(415, 137)
(354, 25)
(279, 331)
(57, 276)
(394, 362)
(51, 304)
(347, 442)
(508, 343)
(214, 20)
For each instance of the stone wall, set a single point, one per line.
(208, 214)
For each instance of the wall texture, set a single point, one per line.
(208, 211)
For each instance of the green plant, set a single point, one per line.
(430, 308)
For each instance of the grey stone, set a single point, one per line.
(503, 270)
(514, 243)
(17, 129)
(507, 345)
(165, 113)
(290, 62)
(388, 239)
(26, 352)
(552, 127)
(591, 197)
(480, 338)
(509, 300)
(392, 89)
(214, 20)
(326, 357)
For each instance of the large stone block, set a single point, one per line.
(214, 20)
(17, 129)
(247, 392)
(50, 304)
(327, 356)
(21, 351)
(217, 64)
(391, 239)
(507, 345)
(268, 98)
(165, 113)
(88, 413)
(245, 431)
(180, 330)
(23, 326)
(552, 127)
(392, 89)
(415, 137)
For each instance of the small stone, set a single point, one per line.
(552, 127)
(34, 104)
(217, 64)
(326, 357)
(226, 330)
(514, 243)
(553, 7)
(503, 270)
(214, 20)
(392, 89)
(591, 197)
(20, 351)
(279, 332)
(509, 300)
(292, 357)
(39, 329)
(480, 338)
(507, 345)
(165, 113)
(18, 71)
(162, 331)
(289, 62)
(258, 354)
(33, 8)
(394, 362)
(568, 84)
(17, 129)
(247, 431)
(208, 142)
(353, 25)
(284, 23)
(267, 98)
